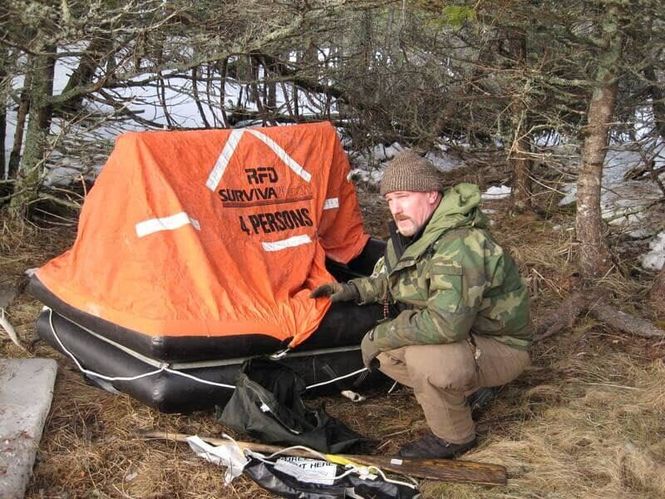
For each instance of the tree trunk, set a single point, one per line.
(161, 96)
(257, 96)
(91, 60)
(594, 256)
(657, 99)
(21, 115)
(271, 90)
(521, 166)
(3, 133)
(4, 64)
(520, 149)
(222, 91)
(197, 99)
(31, 167)
(253, 77)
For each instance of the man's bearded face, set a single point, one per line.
(411, 210)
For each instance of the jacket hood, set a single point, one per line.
(459, 207)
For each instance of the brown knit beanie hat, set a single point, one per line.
(408, 171)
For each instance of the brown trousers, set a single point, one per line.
(443, 375)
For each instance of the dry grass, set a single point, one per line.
(584, 421)
(580, 438)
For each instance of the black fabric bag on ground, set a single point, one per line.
(267, 404)
(351, 486)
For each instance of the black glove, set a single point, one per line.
(370, 351)
(337, 291)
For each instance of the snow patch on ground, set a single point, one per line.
(655, 258)
(496, 192)
(443, 161)
(570, 191)
(383, 153)
(617, 191)
(625, 203)
(369, 177)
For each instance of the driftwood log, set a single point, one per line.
(448, 470)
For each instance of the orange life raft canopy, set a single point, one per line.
(197, 250)
(213, 233)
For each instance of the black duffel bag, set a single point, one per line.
(267, 404)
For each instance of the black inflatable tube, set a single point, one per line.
(343, 324)
(170, 392)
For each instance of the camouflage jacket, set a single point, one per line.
(452, 281)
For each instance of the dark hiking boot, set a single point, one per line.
(481, 398)
(431, 446)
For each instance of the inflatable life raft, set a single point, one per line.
(196, 250)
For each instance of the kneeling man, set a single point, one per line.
(456, 309)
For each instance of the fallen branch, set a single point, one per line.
(447, 470)
(8, 294)
(564, 317)
(59, 201)
(615, 318)
(6, 325)
(595, 303)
